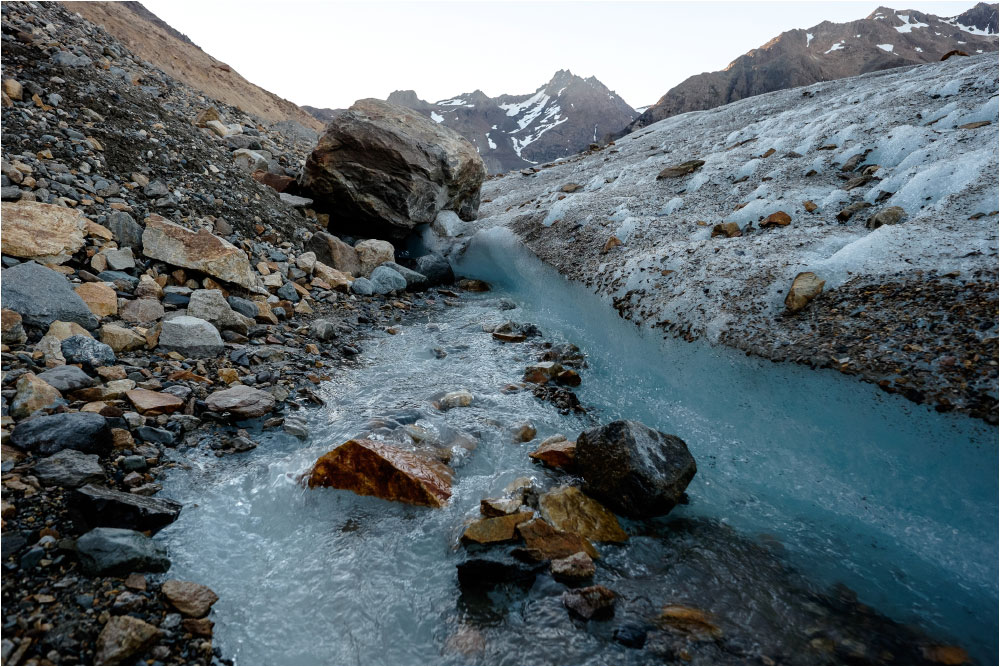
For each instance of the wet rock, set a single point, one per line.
(688, 621)
(682, 169)
(373, 253)
(69, 468)
(102, 506)
(67, 378)
(41, 296)
(123, 638)
(573, 568)
(806, 287)
(187, 597)
(810, 206)
(568, 509)
(33, 394)
(43, 232)
(542, 372)
(436, 268)
(92, 354)
(372, 468)
(191, 336)
(556, 452)
(200, 250)
(152, 403)
(544, 542)
(241, 401)
(142, 311)
(590, 602)
(495, 529)
(120, 551)
(210, 305)
(524, 432)
(99, 297)
(48, 434)
(456, 399)
(633, 469)
(487, 572)
(892, 215)
(414, 168)
(334, 253)
(632, 635)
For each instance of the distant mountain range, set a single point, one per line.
(887, 38)
(561, 118)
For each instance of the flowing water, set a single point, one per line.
(811, 488)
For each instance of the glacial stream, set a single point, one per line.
(812, 489)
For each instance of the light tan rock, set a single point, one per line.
(12, 328)
(121, 339)
(806, 287)
(152, 403)
(63, 330)
(122, 638)
(140, 311)
(495, 529)
(148, 288)
(13, 89)
(372, 253)
(33, 393)
(176, 245)
(337, 280)
(187, 597)
(241, 401)
(99, 297)
(46, 233)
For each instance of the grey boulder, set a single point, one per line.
(436, 268)
(67, 378)
(191, 336)
(85, 431)
(104, 551)
(41, 296)
(385, 280)
(414, 281)
(93, 354)
(362, 286)
(70, 468)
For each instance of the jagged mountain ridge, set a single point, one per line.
(885, 39)
(560, 118)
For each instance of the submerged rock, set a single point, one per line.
(633, 469)
(569, 510)
(590, 602)
(372, 468)
(386, 168)
(495, 529)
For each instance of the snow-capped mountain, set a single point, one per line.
(885, 39)
(560, 118)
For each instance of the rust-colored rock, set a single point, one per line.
(495, 529)
(726, 229)
(776, 219)
(688, 621)
(810, 205)
(274, 181)
(122, 638)
(806, 287)
(189, 598)
(678, 170)
(568, 509)
(371, 468)
(556, 452)
(611, 243)
(99, 297)
(545, 542)
(44, 232)
(201, 250)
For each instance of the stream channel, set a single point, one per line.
(822, 507)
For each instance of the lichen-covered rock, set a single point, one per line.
(386, 168)
(372, 468)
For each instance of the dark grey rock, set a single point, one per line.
(93, 354)
(70, 468)
(633, 469)
(67, 378)
(102, 506)
(436, 268)
(288, 293)
(414, 281)
(153, 434)
(123, 282)
(84, 431)
(362, 286)
(119, 551)
(42, 296)
(127, 232)
(244, 306)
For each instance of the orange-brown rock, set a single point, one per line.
(556, 452)
(776, 219)
(545, 542)
(612, 242)
(570, 510)
(153, 403)
(810, 205)
(495, 529)
(273, 181)
(688, 621)
(189, 598)
(371, 468)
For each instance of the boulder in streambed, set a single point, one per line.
(372, 468)
(120, 551)
(48, 434)
(241, 401)
(570, 510)
(634, 470)
(385, 169)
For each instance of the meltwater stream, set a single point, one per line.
(809, 486)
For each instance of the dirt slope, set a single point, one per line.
(164, 47)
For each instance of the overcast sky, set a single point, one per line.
(328, 54)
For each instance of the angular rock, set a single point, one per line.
(373, 253)
(556, 452)
(495, 529)
(123, 638)
(888, 216)
(46, 233)
(119, 259)
(92, 354)
(121, 339)
(154, 403)
(211, 306)
(806, 287)
(187, 597)
(324, 330)
(634, 470)
(101, 506)
(372, 468)
(191, 336)
(678, 170)
(414, 281)
(776, 219)
(148, 289)
(847, 212)
(386, 168)
(48, 434)
(33, 394)
(436, 268)
(67, 378)
(241, 401)
(577, 567)
(542, 372)
(41, 296)
(12, 330)
(569, 510)
(545, 542)
(335, 253)
(244, 307)
(338, 280)
(99, 297)
(126, 231)
(69, 468)
(385, 280)
(249, 161)
(142, 311)
(590, 602)
(202, 251)
(726, 229)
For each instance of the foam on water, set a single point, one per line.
(859, 487)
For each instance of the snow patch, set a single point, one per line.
(436, 117)
(836, 47)
(885, 47)
(809, 38)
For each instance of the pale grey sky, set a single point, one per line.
(328, 54)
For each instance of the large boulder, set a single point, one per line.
(70, 468)
(372, 468)
(385, 168)
(101, 506)
(43, 232)
(120, 551)
(191, 336)
(436, 268)
(201, 250)
(633, 469)
(48, 434)
(386, 280)
(335, 253)
(41, 296)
